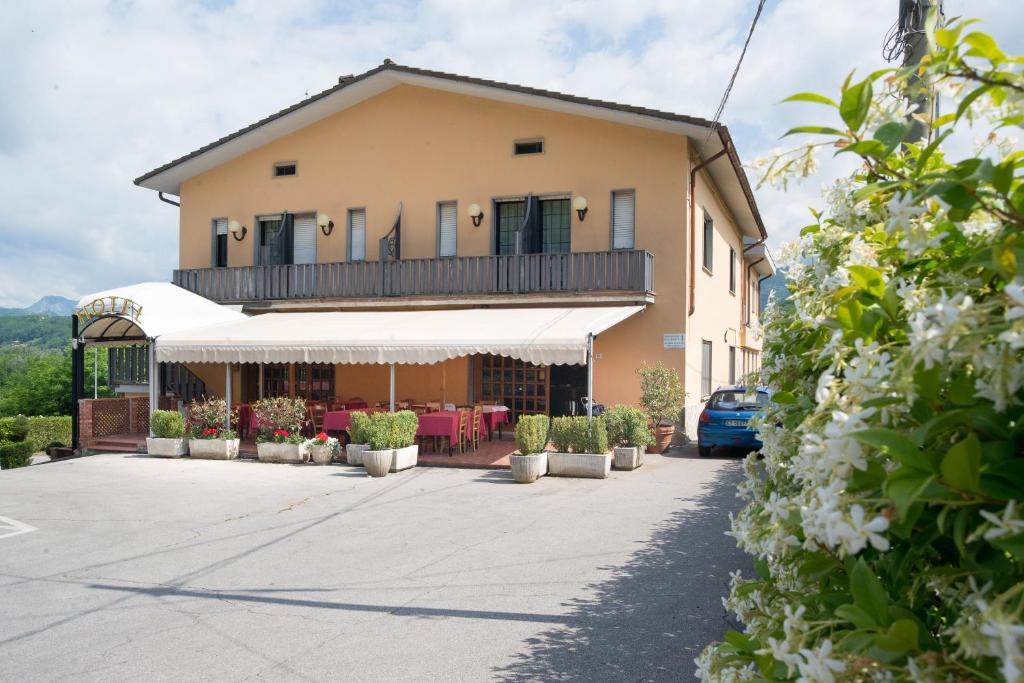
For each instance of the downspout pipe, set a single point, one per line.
(693, 226)
(166, 200)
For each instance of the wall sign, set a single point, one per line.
(674, 340)
(108, 305)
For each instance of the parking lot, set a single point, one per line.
(117, 567)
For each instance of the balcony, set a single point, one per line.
(605, 275)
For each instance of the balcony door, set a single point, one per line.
(286, 238)
(543, 226)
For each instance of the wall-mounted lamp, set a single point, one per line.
(476, 214)
(237, 230)
(325, 223)
(580, 204)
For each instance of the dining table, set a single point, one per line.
(444, 423)
(340, 420)
(243, 415)
(494, 416)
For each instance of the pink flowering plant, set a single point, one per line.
(206, 419)
(280, 419)
(886, 510)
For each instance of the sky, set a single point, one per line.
(97, 93)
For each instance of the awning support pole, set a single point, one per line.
(227, 395)
(261, 381)
(77, 357)
(153, 381)
(392, 387)
(95, 372)
(590, 377)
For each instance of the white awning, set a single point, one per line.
(544, 336)
(146, 310)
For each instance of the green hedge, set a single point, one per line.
(15, 454)
(168, 424)
(13, 428)
(577, 435)
(532, 434)
(46, 431)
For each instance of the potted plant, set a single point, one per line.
(358, 442)
(661, 396)
(322, 448)
(581, 448)
(168, 440)
(531, 463)
(404, 424)
(209, 439)
(280, 429)
(629, 434)
(380, 445)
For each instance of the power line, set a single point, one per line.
(735, 73)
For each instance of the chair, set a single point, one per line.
(461, 445)
(317, 413)
(433, 406)
(336, 405)
(474, 427)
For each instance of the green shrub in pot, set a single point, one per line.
(532, 434)
(628, 426)
(167, 424)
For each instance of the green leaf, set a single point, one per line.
(741, 642)
(902, 449)
(905, 485)
(946, 38)
(1002, 177)
(961, 390)
(868, 279)
(928, 382)
(985, 46)
(868, 592)
(901, 637)
(810, 97)
(866, 148)
(814, 130)
(856, 616)
(784, 397)
(966, 102)
(961, 465)
(1011, 544)
(854, 105)
(891, 134)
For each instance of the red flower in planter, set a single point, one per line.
(321, 438)
(210, 432)
(283, 433)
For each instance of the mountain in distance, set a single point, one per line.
(47, 305)
(776, 283)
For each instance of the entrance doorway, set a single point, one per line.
(568, 386)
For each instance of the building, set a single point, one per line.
(402, 189)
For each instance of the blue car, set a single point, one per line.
(725, 420)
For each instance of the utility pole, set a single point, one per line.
(917, 22)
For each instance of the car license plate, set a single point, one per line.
(735, 423)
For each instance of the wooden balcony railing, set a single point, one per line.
(629, 272)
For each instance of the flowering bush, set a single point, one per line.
(280, 419)
(323, 439)
(206, 419)
(885, 517)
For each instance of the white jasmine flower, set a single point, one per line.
(1007, 525)
(902, 210)
(818, 666)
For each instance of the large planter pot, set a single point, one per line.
(662, 438)
(354, 453)
(588, 465)
(378, 463)
(405, 458)
(628, 457)
(527, 469)
(320, 455)
(213, 449)
(167, 448)
(281, 452)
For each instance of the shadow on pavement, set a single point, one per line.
(654, 615)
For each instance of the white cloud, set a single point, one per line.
(98, 93)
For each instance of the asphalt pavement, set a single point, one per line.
(120, 567)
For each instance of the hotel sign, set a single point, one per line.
(674, 341)
(108, 306)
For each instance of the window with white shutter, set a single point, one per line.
(447, 227)
(220, 242)
(304, 240)
(357, 234)
(623, 219)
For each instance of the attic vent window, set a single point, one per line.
(529, 147)
(285, 169)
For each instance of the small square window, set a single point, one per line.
(529, 147)
(285, 169)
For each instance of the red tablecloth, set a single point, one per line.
(340, 420)
(444, 424)
(495, 418)
(244, 416)
(355, 405)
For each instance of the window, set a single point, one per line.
(220, 242)
(275, 380)
(529, 147)
(623, 219)
(709, 237)
(283, 169)
(510, 218)
(732, 365)
(732, 270)
(304, 250)
(314, 382)
(447, 229)
(555, 224)
(547, 228)
(705, 368)
(271, 241)
(357, 234)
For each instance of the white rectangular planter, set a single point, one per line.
(213, 449)
(589, 465)
(166, 448)
(628, 457)
(527, 469)
(354, 453)
(405, 458)
(281, 452)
